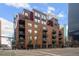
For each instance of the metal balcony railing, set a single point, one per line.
(21, 26)
(21, 33)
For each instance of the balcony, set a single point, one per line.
(21, 26)
(44, 36)
(21, 38)
(60, 38)
(44, 39)
(54, 44)
(53, 37)
(22, 22)
(60, 33)
(30, 42)
(50, 23)
(60, 42)
(60, 45)
(21, 43)
(54, 32)
(54, 40)
(45, 31)
(37, 17)
(21, 46)
(21, 33)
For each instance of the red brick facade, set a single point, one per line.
(46, 34)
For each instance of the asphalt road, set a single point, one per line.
(42, 52)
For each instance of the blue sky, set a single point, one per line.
(8, 11)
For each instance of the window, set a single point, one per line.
(44, 23)
(36, 20)
(35, 37)
(26, 14)
(45, 17)
(35, 32)
(21, 38)
(30, 37)
(44, 28)
(29, 24)
(21, 42)
(36, 26)
(36, 14)
(30, 31)
(22, 26)
(42, 16)
(21, 32)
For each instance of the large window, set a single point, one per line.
(35, 32)
(35, 37)
(36, 26)
(43, 22)
(36, 20)
(21, 43)
(44, 28)
(44, 17)
(26, 14)
(21, 38)
(30, 37)
(36, 14)
(30, 31)
(29, 24)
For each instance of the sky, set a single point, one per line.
(9, 10)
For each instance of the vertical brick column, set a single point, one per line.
(17, 34)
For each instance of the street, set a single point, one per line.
(42, 52)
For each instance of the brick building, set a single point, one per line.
(35, 30)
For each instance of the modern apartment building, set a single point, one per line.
(6, 33)
(73, 20)
(34, 29)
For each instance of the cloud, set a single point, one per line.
(50, 9)
(19, 5)
(60, 15)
